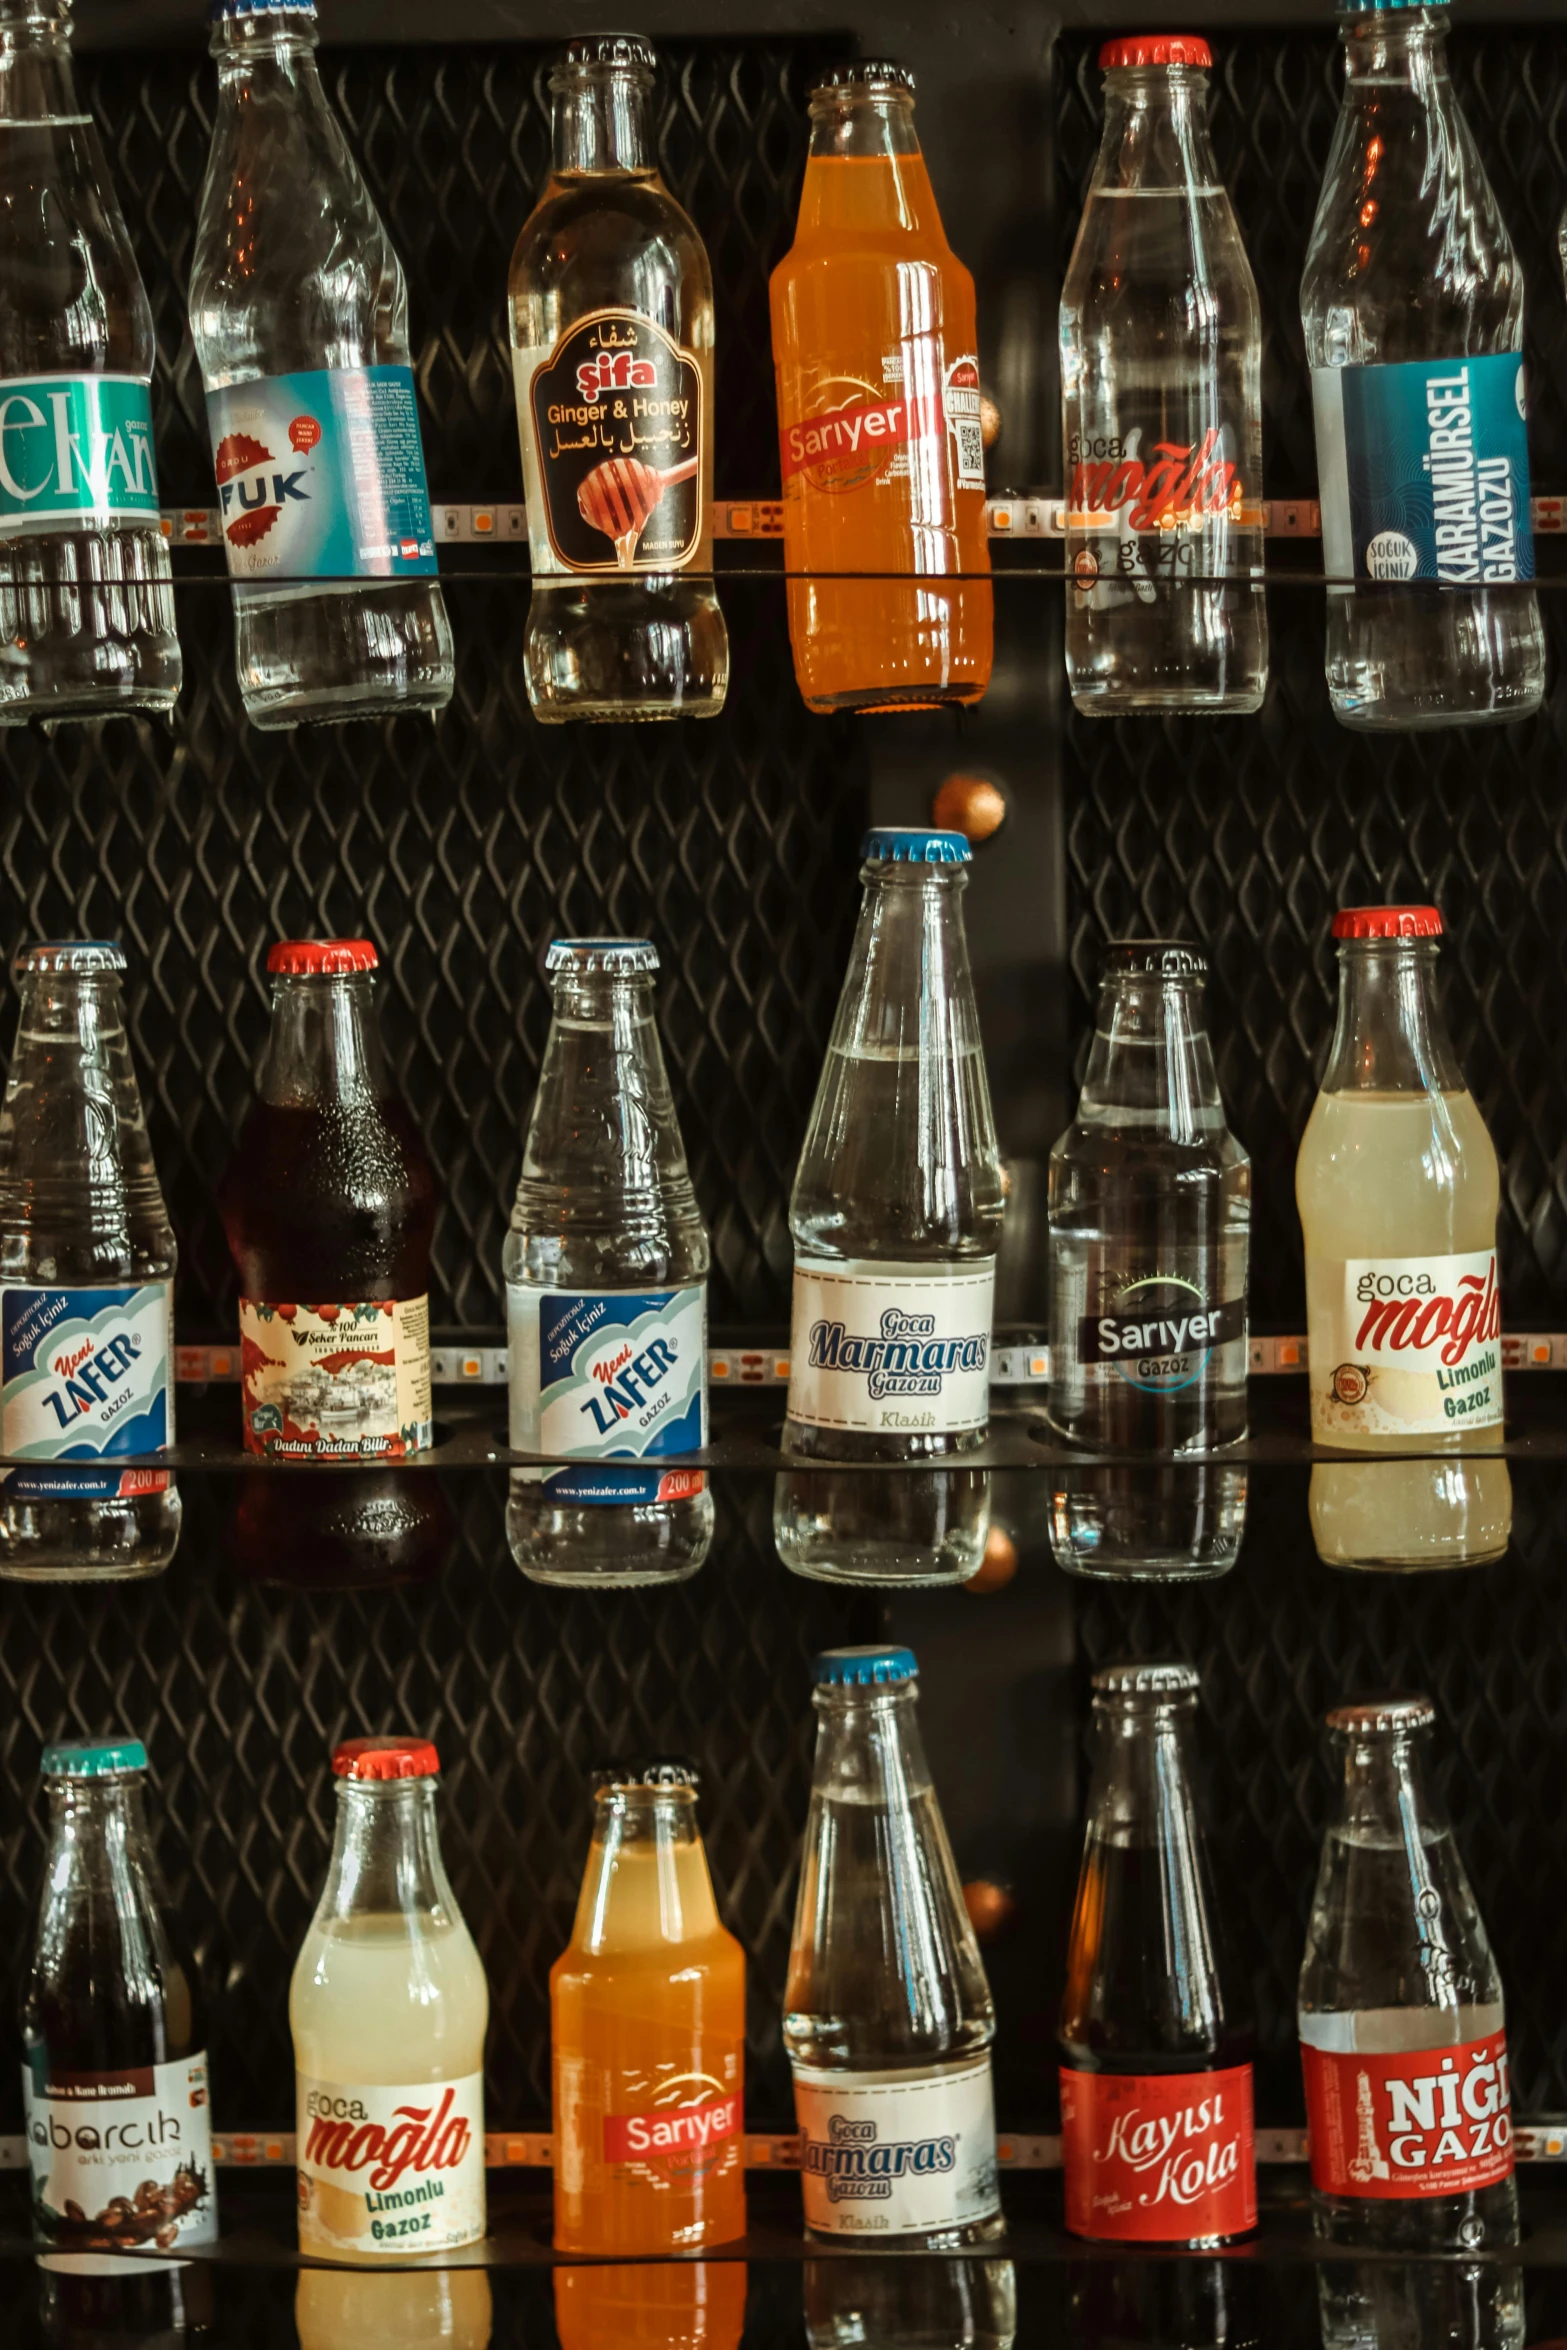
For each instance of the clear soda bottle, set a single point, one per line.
(1404, 2046)
(1398, 1189)
(606, 1292)
(1414, 337)
(299, 312)
(888, 2018)
(1161, 407)
(896, 1219)
(1150, 1225)
(114, 2064)
(1156, 2047)
(857, 2300)
(611, 311)
(86, 604)
(87, 1260)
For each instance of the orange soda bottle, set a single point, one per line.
(670, 2305)
(879, 418)
(647, 2014)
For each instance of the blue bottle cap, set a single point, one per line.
(617, 955)
(221, 9)
(93, 1758)
(863, 1668)
(73, 955)
(1380, 7)
(901, 844)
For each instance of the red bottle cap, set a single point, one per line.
(1155, 49)
(311, 957)
(1387, 922)
(385, 1758)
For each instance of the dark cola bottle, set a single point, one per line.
(1156, 2083)
(329, 1208)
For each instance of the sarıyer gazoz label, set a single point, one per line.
(75, 449)
(87, 1374)
(321, 475)
(655, 2127)
(325, 1382)
(1424, 470)
(603, 1376)
(1411, 1346)
(121, 2159)
(851, 433)
(1162, 1334)
(894, 2153)
(1428, 2121)
(616, 416)
(1159, 2158)
(391, 2170)
(885, 1347)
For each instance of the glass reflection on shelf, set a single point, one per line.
(1419, 2304)
(1172, 2304)
(113, 2301)
(325, 1529)
(904, 1527)
(855, 2303)
(384, 2309)
(1149, 1520)
(1456, 1511)
(652, 2305)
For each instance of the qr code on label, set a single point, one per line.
(971, 457)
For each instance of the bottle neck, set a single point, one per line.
(324, 1044)
(600, 120)
(1382, 1793)
(1403, 46)
(604, 1117)
(647, 1880)
(255, 53)
(1151, 1065)
(1156, 130)
(868, 1747)
(37, 79)
(1391, 1036)
(386, 1855)
(867, 128)
(100, 1867)
(72, 1129)
(909, 992)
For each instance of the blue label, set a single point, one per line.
(84, 1376)
(609, 1376)
(321, 475)
(1424, 471)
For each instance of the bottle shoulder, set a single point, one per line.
(71, 296)
(609, 241)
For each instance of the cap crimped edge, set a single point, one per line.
(368, 1760)
(660, 1771)
(321, 958)
(627, 50)
(912, 844)
(601, 954)
(1388, 922)
(91, 1758)
(864, 73)
(1159, 958)
(1364, 1714)
(1132, 50)
(882, 1665)
(1147, 1680)
(69, 955)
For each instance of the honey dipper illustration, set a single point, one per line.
(618, 498)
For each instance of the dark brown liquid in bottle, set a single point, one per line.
(1133, 2003)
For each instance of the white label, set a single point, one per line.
(390, 2171)
(890, 1348)
(961, 403)
(897, 2153)
(140, 2138)
(1409, 1346)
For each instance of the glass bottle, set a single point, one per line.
(1403, 2041)
(1152, 2030)
(1398, 1190)
(856, 2300)
(87, 1259)
(611, 310)
(1412, 304)
(114, 2064)
(86, 604)
(388, 2008)
(1150, 1225)
(393, 2309)
(888, 2018)
(896, 1219)
(299, 312)
(1161, 408)
(606, 1292)
(647, 2033)
(874, 348)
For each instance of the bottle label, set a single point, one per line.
(886, 1348)
(960, 406)
(854, 433)
(600, 1376)
(1190, 497)
(1410, 1346)
(321, 475)
(897, 2153)
(85, 1374)
(615, 411)
(74, 450)
(121, 2160)
(1158, 2158)
(1162, 1335)
(1428, 2121)
(1423, 467)
(654, 2125)
(345, 1383)
(390, 2171)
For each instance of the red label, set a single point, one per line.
(1184, 483)
(1158, 2158)
(1470, 1318)
(305, 433)
(1428, 2121)
(672, 2134)
(419, 2138)
(849, 446)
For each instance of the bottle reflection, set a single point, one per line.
(402, 2309)
(1419, 2304)
(106, 2301)
(909, 1526)
(1184, 2304)
(659, 2305)
(1150, 1521)
(1386, 1515)
(910, 2304)
(322, 1529)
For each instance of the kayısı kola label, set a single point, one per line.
(121, 2158)
(896, 2153)
(887, 1347)
(1426, 2121)
(1424, 470)
(607, 1376)
(1159, 2158)
(1407, 1346)
(87, 1376)
(391, 2170)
